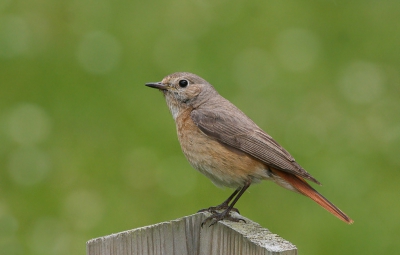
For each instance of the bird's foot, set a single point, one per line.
(214, 209)
(216, 216)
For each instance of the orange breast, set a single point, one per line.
(224, 165)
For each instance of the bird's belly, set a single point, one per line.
(224, 165)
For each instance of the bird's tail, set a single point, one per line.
(300, 185)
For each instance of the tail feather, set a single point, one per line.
(300, 185)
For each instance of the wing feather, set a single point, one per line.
(241, 133)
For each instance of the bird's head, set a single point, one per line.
(183, 90)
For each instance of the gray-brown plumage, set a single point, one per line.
(224, 144)
(243, 134)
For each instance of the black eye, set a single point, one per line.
(183, 83)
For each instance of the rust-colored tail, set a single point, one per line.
(304, 188)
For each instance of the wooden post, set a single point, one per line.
(186, 236)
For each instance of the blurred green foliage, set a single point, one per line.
(87, 150)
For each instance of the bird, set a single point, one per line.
(225, 145)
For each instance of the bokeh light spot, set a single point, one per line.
(84, 208)
(28, 124)
(99, 52)
(298, 49)
(28, 165)
(14, 36)
(361, 82)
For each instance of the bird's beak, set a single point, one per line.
(157, 85)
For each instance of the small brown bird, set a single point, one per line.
(225, 145)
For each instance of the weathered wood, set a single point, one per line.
(185, 236)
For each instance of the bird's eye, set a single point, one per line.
(183, 83)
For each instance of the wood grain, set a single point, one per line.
(185, 236)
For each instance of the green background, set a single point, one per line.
(87, 150)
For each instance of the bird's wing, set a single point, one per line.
(241, 133)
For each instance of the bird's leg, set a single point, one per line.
(215, 217)
(224, 205)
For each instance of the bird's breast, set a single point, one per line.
(224, 165)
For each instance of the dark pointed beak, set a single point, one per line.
(157, 85)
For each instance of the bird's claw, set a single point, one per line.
(225, 215)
